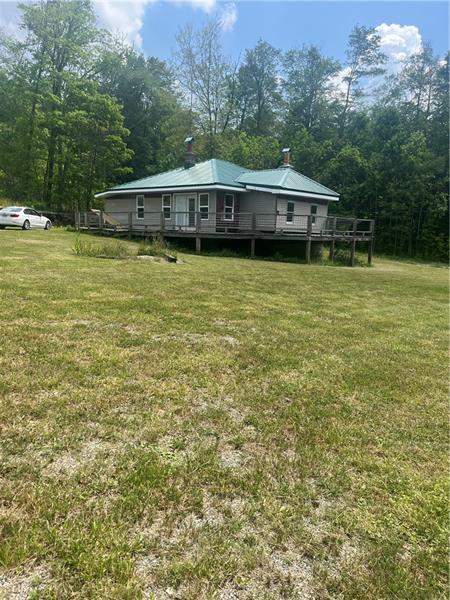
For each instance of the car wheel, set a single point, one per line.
(48, 225)
(26, 224)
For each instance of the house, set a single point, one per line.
(220, 199)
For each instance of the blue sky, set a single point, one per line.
(151, 25)
(290, 24)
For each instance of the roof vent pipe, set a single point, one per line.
(189, 160)
(286, 156)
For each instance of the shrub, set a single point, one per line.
(104, 249)
(155, 248)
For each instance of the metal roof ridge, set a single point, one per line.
(314, 181)
(215, 176)
(285, 176)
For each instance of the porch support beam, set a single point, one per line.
(252, 247)
(352, 252)
(332, 244)
(130, 224)
(198, 244)
(370, 244)
(308, 241)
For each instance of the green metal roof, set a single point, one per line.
(285, 178)
(209, 172)
(222, 172)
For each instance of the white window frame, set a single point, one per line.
(204, 216)
(164, 208)
(290, 213)
(140, 197)
(313, 214)
(231, 217)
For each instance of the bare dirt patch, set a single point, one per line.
(68, 464)
(19, 585)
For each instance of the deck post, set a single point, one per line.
(332, 243)
(370, 248)
(88, 222)
(253, 222)
(197, 221)
(77, 221)
(100, 220)
(130, 223)
(308, 241)
(353, 243)
(198, 244)
(252, 247)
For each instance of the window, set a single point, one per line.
(314, 213)
(203, 206)
(290, 212)
(166, 205)
(228, 207)
(140, 207)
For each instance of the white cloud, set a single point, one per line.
(123, 17)
(228, 17)
(126, 17)
(338, 85)
(398, 42)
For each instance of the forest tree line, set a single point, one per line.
(80, 110)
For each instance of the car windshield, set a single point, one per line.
(11, 209)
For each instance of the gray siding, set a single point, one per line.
(119, 208)
(302, 208)
(263, 204)
(269, 210)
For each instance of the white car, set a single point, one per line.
(22, 216)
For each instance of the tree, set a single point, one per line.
(418, 81)
(258, 95)
(51, 75)
(364, 59)
(145, 89)
(308, 88)
(205, 77)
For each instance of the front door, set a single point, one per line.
(185, 205)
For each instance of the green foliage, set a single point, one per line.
(156, 248)
(101, 249)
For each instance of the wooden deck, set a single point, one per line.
(239, 226)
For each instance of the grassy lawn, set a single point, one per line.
(220, 428)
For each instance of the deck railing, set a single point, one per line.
(226, 223)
